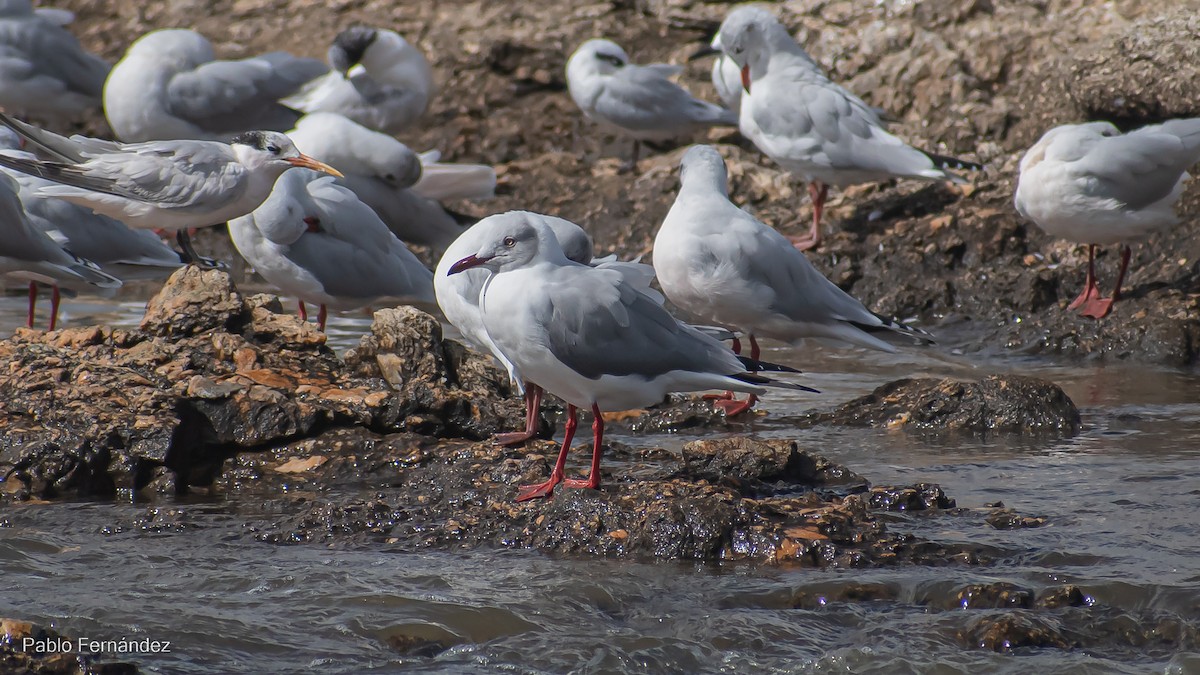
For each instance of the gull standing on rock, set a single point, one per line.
(170, 85)
(458, 297)
(379, 80)
(172, 185)
(315, 240)
(44, 72)
(1090, 184)
(636, 101)
(388, 176)
(811, 126)
(589, 336)
(718, 262)
(28, 254)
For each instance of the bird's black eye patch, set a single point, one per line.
(254, 139)
(609, 58)
(353, 42)
(510, 242)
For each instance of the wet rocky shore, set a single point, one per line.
(218, 393)
(219, 396)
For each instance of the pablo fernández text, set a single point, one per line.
(83, 645)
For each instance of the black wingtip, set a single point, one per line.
(751, 378)
(952, 163)
(753, 366)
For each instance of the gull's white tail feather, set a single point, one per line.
(445, 182)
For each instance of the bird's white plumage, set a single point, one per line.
(168, 185)
(1090, 184)
(44, 72)
(586, 334)
(28, 254)
(388, 176)
(170, 85)
(458, 294)
(316, 240)
(638, 101)
(718, 262)
(803, 121)
(387, 89)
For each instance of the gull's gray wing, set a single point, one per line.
(642, 98)
(599, 325)
(1143, 166)
(353, 254)
(820, 121)
(231, 96)
(34, 251)
(38, 48)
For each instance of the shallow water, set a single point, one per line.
(1120, 499)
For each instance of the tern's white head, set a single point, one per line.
(596, 57)
(274, 152)
(510, 241)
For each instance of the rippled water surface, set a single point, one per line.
(1121, 502)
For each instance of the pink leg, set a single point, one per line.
(1097, 307)
(728, 395)
(54, 298)
(32, 304)
(733, 406)
(1090, 291)
(593, 480)
(533, 404)
(322, 315)
(546, 489)
(303, 310)
(817, 192)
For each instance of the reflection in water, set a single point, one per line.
(1120, 501)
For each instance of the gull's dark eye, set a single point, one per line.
(510, 242)
(609, 58)
(273, 149)
(391, 178)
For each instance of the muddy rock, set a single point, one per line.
(780, 504)
(1144, 72)
(96, 411)
(1013, 630)
(996, 403)
(19, 657)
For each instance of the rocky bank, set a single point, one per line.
(222, 394)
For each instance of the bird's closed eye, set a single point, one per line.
(609, 58)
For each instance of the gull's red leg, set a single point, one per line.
(817, 192)
(728, 395)
(322, 315)
(54, 299)
(733, 406)
(1097, 307)
(533, 404)
(546, 489)
(1090, 291)
(593, 480)
(303, 310)
(32, 304)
